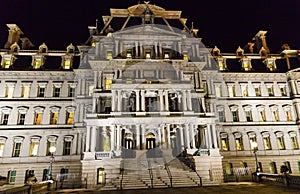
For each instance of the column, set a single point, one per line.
(141, 51)
(293, 86)
(155, 48)
(118, 137)
(187, 135)
(119, 100)
(206, 137)
(214, 136)
(117, 47)
(143, 100)
(159, 135)
(88, 138)
(93, 139)
(193, 135)
(161, 100)
(95, 79)
(209, 136)
(160, 51)
(196, 80)
(136, 49)
(167, 100)
(112, 137)
(143, 136)
(137, 100)
(94, 104)
(184, 100)
(189, 100)
(181, 137)
(83, 86)
(138, 136)
(78, 89)
(113, 100)
(163, 142)
(168, 136)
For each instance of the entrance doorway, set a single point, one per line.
(150, 141)
(101, 176)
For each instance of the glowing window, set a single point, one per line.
(166, 55)
(34, 146)
(16, 149)
(50, 144)
(257, 91)
(288, 115)
(9, 91)
(67, 64)
(275, 115)
(38, 118)
(108, 82)
(294, 141)
(239, 143)
(129, 54)
(270, 90)
(244, 90)
(262, 115)
(231, 90)
(53, 118)
(267, 142)
(1, 149)
(224, 142)
(109, 55)
(69, 117)
(25, 91)
(185, 57)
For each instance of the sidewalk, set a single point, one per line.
(226, 188)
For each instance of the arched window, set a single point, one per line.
(267, 140)
(224, 141)
(280, 140)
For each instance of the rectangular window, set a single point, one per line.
(221, 116)
(148, 54)
(9, 92)
(231, 91)
(108, 82)
(25, 91)
(295, 144)
(38, 118)
(257, 91)
(275, 115)
(34, 146)
(218, 91)
(53, 118)
(239, 144)
(5, 119)
(225, 144)
(21, 119)
(235, 116)
(244, 90)
(185, 57)
(283, 91)
(267, 143)
(56, 92)
(64, 173)
(109, 55)
(71, 92)
(49, 144)
(280, 142)
(288, 115)
(1, 149)
(17, 149)
(166, 55)
(45, 174)
(69, 117)
(41, 92)
(262, 116)
(270, 90)
(67, 148)
(12, 176)
(248, 115)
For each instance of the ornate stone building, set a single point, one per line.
(134, 99)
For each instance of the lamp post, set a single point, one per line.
(52, 149)
(255, 148)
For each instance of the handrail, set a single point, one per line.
(150, 173)
(169, 174)
(122, 174)
(186, 160)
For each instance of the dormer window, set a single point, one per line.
(239, 52)
(185, 57)
(43, 48)
(7, 61)
(14, 48)
(37, 61)
(129, 54)
(148, 54)
(166, 55)
(67, 61)
(246, 64)
(270, 63)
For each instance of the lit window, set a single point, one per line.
(129, 54)
(224, 142)
(34, 146)
(21, 119)
(12, 176)
(108, 82)
(270, 90)
(1, 149)
(267, 141)
(246, 64)
(244, 90)
(166, 55)
(221, 115)
(67, 64)
(38, 118)
(9, 90)
(16, 149)
(261, 113)
(37, 61)
(53, 118)
(294, 140)
(67, 61)
(283, 91)
(4, 118)
(280, 140)
(221, 63)
(235, 116)
(148, 54)
(273, 168)
(257, 91)
(228, 169)
(239, 142)
(252, 139)
(249, 115)
(51, 142)
(185, 57)
(109, 55)
(231, 90)
(7, 61)
(25, 91)
(275, 115)
(270, 63)
(69, 118)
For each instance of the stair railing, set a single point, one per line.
(150, 172)
(189, 163)
(169, 174)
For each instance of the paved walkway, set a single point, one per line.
(232, 188)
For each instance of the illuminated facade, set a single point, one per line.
(146, 93)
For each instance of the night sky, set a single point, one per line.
(227, 24)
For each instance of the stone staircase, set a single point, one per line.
(137, 176)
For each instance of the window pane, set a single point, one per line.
(267, 143)
(54, 117)
(17, 149)
(295, 143)
(280, 141)
(70, 116)
(38, 118)
(1, 149)
(33, 148)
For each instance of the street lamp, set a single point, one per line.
(52, 149)
(255, 148)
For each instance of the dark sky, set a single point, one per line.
(225, 23)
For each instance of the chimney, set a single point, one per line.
(261, 37)
(14, 34)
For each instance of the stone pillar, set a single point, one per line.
(112, 137)
(163, 142)
(83, 86)
(116, 47)
(119, 100)
(95, 101)
(293, 87)
(137, 100)
(141, 51)
(189, 100)
(93, 138)
(138, 136)
(206, 137)
(167, 100)
(113, 100)
(184, 100)
(181, 137)
(193, 135)
(159, 135)
(161, 99)
(143, 136)
(88, 138)
(209, 136)
(118, 137)
(214, 136)
(95, 79)
(168, 136)
(160, 51)
(136, 49)
(155, 48)
(187, 135)
(143, 100)
(100, 80)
